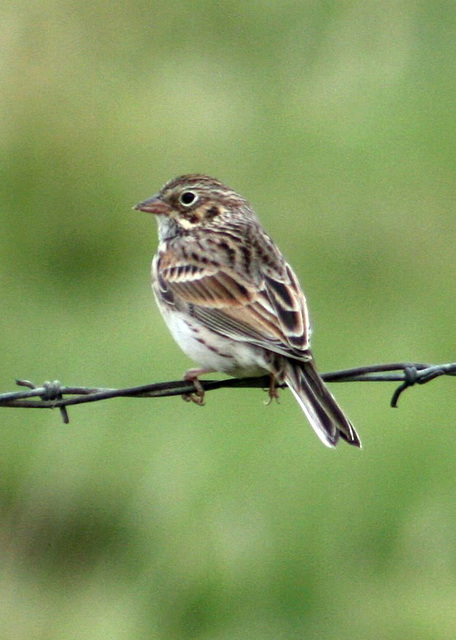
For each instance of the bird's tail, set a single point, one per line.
(319, 405)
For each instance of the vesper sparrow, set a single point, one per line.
(231, 301)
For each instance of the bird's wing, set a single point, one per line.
(268, 310)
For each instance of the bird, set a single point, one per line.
(231, 300)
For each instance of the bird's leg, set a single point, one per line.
(192, 376)
(273, 391)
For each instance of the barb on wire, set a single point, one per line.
(51, 394)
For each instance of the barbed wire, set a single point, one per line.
(51, 394)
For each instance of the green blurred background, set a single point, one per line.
(155, 519)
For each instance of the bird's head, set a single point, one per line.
(193, 200)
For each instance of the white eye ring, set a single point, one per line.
(187, 198)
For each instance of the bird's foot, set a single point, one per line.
(192, 376)
(273, 391)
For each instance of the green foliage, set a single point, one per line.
(156, 519)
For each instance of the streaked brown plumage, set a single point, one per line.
(230, 299)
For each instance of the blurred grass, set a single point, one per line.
(147, 519)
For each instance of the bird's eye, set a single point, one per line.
(187, 198)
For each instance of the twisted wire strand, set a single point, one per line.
(54, 394)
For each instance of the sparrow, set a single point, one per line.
(232, 302)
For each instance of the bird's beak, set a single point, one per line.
(153, 205)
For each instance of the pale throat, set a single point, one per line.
(167, 227)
